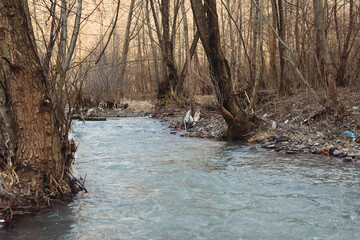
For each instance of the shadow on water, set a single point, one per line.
(145, 183)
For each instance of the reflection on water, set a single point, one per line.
(145, 183)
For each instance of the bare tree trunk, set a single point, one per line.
(284, 82)
(125, 48)
(289, 57)
(153, 48)
(207, 22)
(54, 30)
(345, 51)
(166, 41)
(240, 38)
(232, 43)
(189, 70)
(258, 62)
(329, 71)
(35, 134)
(65, 56)
(255, 29)
(185, 71)
(273, 47)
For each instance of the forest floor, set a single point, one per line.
(302, 125)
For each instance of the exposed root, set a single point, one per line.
(24, 191)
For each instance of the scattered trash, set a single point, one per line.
(189, 121)
(351, 134)
(265, 115)
(90, 112)
(286, 122)
(296, 118)
(196, 116)
(323, 151)
(102, 105)
(355, 108)
(273, 125)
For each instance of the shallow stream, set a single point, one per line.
(145, 183)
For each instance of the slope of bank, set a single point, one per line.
(293, 124)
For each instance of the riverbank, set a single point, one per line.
(294, 124)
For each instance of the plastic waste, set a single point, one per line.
(189, 121)
(355, 108)
(90, 111)
(273, 125)
(196, 116)
(71, 135)
(188, 118)
(102, 105)
(286, 122)
(351, 134)
(323, 151)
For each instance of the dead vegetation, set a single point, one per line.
(302, 125)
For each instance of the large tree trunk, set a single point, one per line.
(191, 85)
(329, 71)
(125, 50)
(284, 82)
(166, 40)
(346, 49)
(35, 136)
(206, 19)
(153, 48)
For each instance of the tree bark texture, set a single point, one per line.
(166, 40)
(329, 71)
(284, 82)
(36, 139)
(206, 19)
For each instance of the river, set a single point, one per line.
(145, 183)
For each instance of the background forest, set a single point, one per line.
(127, 49)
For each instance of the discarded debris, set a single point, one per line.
(95, 118)
(189, 121)
(351, 134)
(90, 112)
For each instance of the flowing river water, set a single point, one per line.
(145, 183)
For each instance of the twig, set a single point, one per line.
(111, 32)
(81, 185)
(11, 212)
